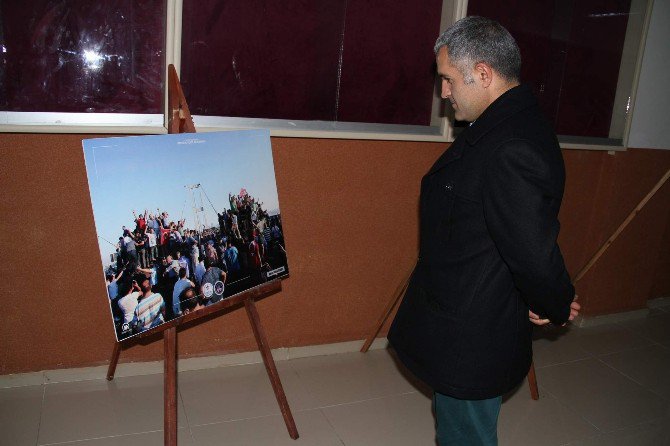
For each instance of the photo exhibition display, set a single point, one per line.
(183, 222)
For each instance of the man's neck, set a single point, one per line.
(501, 90)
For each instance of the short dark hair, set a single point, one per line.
(182, 273)
(186, 303)
(478, 39)
(209, 262)
(125, 285)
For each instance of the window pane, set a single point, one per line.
(82, 56)
(310, 60)
(572, 57)
(251, 58)
(388, 72)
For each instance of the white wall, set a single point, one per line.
(650, 127)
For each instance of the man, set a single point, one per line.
(212, 285)
(183, 262)
(129, 292)
(234, 227)
(150, 310)
(112, 285)
(231, 258)
(170, 275)
(199, 270)
(488, 256)
(113, 293)
(180, 286)
(152, 247)
(131, 251)
(142, 245)
(192, 249)
(190, 302)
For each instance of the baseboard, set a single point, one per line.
(185, 364)
(593, 321)
(659, 302)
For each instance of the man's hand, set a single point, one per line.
(574, 311)
(574, 308)
(534, 318)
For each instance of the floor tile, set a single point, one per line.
(610, 338)
(398, 420)
(20, 409)
(238, 392)
(654, 433)
(100, 408)
(313, 428)
(649, 366)
(557, 345)
(524, 421)
(155, 438)
(654, 327)
(601, 395)
(350, 377)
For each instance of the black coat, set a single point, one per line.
(488, 253)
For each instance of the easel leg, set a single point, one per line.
(270, 366)
(112, 362)
(170, 387)
(532, 382)
(399, 292)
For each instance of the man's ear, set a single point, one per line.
(483, 74)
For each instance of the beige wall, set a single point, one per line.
(350, 218)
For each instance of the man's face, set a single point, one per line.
(145, 285)
(466, 95)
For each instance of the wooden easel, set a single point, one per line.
(180, 121)
(532, 379)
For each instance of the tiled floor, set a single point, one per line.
(607, 385)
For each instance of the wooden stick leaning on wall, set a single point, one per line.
(532, 380)
(621, 227)
(180, 121)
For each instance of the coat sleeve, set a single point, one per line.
(522, 193)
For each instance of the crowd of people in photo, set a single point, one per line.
(164, 269)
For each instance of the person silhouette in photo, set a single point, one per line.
(199, 270)
(170, 277)
(213, 282)
(234, 224)
(255, 260)
(180, 286)
(131, 250)
(141, 245)
(129, 294)
(190, 301)
(113, 293)
(232, 260)
(192, 250)
(153, 246)
(150, 309)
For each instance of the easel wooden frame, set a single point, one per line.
(532, 379)
(180, 121)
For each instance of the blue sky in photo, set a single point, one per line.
(150, 172)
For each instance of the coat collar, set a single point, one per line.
(509, 103)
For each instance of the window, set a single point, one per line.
(580, 57)
(340, 69)
(81, 61)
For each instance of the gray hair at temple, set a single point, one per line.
(477, 39)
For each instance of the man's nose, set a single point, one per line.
(446, 91)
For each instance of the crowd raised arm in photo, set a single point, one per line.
(161, 261)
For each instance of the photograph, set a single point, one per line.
(183, 221)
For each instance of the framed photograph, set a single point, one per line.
(183, 221)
